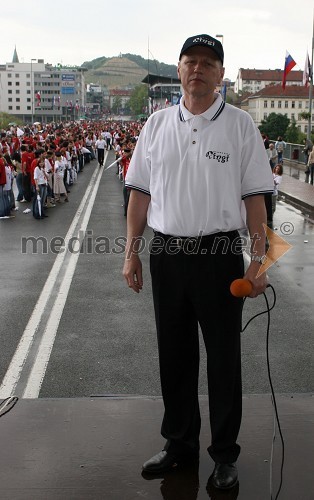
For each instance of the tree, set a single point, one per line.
(6, 119)
(275, 125)
(293, 133)
(138, 99)
(117, 104)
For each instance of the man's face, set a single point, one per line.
(200, 71)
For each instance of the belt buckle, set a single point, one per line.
(177, 242)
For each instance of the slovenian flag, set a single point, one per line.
(289, 64)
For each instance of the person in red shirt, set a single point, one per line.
(26, 181)
(125, 162)
(4, 205)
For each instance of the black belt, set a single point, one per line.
(183, 241)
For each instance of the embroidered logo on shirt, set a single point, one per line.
(218, 155)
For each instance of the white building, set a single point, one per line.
(292, 102)
(36, 91)
(253, 80)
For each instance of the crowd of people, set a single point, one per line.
(38, 165)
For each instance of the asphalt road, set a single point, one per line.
(99, 336)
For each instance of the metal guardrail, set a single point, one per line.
(293, 152)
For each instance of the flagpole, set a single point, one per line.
(311, 89)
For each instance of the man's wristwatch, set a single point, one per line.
(259, 258)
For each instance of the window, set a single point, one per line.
(28, 108)
(17, 91)
(265, 116)
(18, 108)
(292, 116)
(265, 104)
(18, 99)
(10, 84)
(28, 84)
(10, 99)
(17, 75)
(28, 75)
(9, 91)
(28, 99)
(286, 104)
(300, 104)
(10, 107)
(28, 92)
(292, 104)
(17, 84)
(279, 104)
(272, 104)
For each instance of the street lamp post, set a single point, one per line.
(222, 38)
(32, 90)
(222, 43)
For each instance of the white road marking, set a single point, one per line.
(14, 371)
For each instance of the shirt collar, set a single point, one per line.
(210, 114)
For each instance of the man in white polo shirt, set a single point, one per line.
(194, 169)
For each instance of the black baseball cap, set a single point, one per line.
(204, 41)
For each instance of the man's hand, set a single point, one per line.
(258, 284)
(132, 271)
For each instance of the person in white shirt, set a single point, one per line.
(272, 155)
(100, 145)
(59, 170)
(41, 180)
(195, 166)
(277, 175)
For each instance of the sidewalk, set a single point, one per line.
(93, 449)
(298, 194)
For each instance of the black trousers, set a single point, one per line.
(100, 154)
(191, 288)
(269, 207)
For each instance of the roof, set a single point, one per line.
(15, 58)
(153, 79)
(120, 92)
(296, 91)
(270, 75)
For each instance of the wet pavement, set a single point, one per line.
(84, 449)
(69, 445)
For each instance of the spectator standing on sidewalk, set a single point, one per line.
(311, 165)
(277, 175)
(280, 146)
(308, 146)
(272, 155)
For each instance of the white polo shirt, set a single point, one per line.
(198, 168)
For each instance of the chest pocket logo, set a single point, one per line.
(218, 156)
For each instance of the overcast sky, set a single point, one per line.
(255, 34)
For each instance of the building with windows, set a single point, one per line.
(37, 91)
(254, 80)
(163, 91)
(292, 102)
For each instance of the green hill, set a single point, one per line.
(124, 71)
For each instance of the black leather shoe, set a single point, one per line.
(164, 462)
(225, 476)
